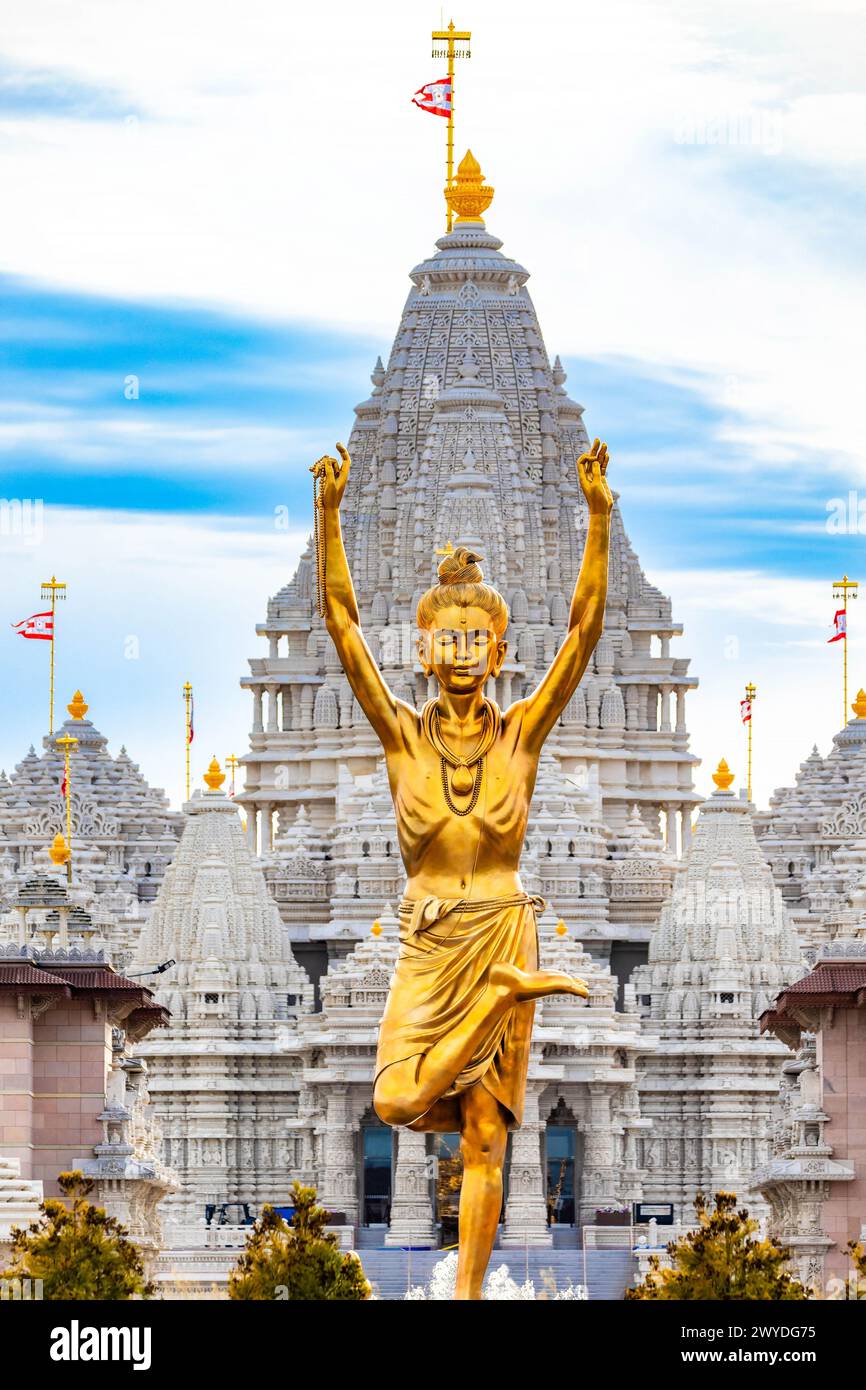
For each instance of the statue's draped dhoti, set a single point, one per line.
(446, 947)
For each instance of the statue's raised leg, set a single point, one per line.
(405, 1090)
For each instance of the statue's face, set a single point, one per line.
(462, 650)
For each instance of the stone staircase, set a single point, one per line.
(606, 1273)
(19, 1199)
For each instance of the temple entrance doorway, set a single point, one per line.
(563, 1162)
(377, 1162)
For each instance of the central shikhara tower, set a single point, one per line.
(469, 437)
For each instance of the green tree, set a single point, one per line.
(77, 1250)
(721, 1259)
(298, 1262)
(857, 1252)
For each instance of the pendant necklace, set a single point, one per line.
(462, 780)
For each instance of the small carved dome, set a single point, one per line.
(325, 715)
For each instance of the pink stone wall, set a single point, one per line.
(52, 1086)
(842, 1058)
(16, 1083)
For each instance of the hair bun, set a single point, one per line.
(461, 567)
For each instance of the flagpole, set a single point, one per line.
(67, 743)
(232, 762)
(449, 139)
(751, 692)
(450, 37)
(187, 700)
(51, 589)
(841, 589)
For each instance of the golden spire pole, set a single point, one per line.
(751, 692)
(67, 743)
(450, 37)
(187, 700)
(841, 590)
(53, 590)
(232, 761)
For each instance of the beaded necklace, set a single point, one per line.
(461, 782)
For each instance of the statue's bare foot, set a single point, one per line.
(522, 985)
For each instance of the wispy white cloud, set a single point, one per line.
(278, 192)
(153, 600)
(118, 443)
(751, 625)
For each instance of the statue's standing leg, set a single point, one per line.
(484, 1135)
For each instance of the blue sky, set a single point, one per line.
(212, 219)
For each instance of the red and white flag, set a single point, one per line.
(191, 734)
(39, 627)
(745, 710)
(63, 787)
(840, 619)
(435, 97)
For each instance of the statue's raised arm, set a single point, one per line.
(586, 617)
(340, 607)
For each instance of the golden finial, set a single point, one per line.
(859, 705)
(446, 549)
(78, 706)
(59, 851)
(723, 777)
(214, 777)
(561, 928)
(469, 196)
(376, 929)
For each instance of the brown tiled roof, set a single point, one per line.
(20, 974)
(60, 975)
(829, 978)
(94, 978)
(831, 984)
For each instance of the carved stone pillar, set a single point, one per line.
(273, 721)
(411, 1206)
(288, 703)
(681, 709)
(344, 697)
(671, 828)
(632, 708)
(258, 726)
(526, 1207)
(665, 725)
(307, 702)
(338, 1181)
(644, 707)
(273, 645)
(253, 829)
(267, 827)
(600, 1178)
(686, 821)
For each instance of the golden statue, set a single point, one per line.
(454, 1040)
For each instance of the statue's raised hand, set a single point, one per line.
(334, 475)
(592, 472)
